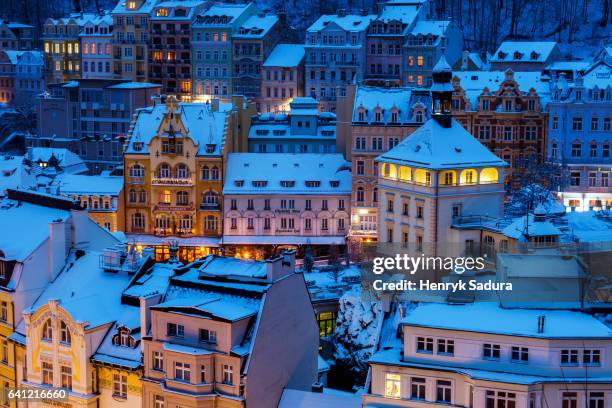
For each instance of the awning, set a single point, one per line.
(281, 240)
(147, 240)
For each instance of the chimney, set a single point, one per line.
(541, 323)
(317, 387)
(58, 247)
(214, 105)
(281, 265)
(341, 12)
(363, 12)
(145, 312)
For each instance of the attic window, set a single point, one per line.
(239, 183)
(259, 183)
(458, 149)
(262, 132)
(122, 338)
(517, 55)
(474, 77)
(534, 55)
(356, 23)
(279, 132)
(287, 183)
(138, 146)
(313, 183)
(501, 55)
(162, 12)
(325, 23)
(334, 183)
(210, 148)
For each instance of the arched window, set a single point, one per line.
(205, 173)
(47, 331)
(489, 175)
(211, 198)
(122, 338)
(214, 173)
(182, 172)
(211, 223)
(405, 173)
(468, 176)
(65, 336)
(418, 116)
(163, 171)
(182, 198)
(136, 170)
(360, 195)
(133, 196)
(138, 221)
(186, 223)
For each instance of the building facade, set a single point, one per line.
(92, 118)
(580, 134)
(16, 36)
(62, 47)
(506, 112)
(174, 171)
(131, 25)
(202, 350)
(302, 130)
(170, 56)
(285, 199)
(443, 358)
(381, 119)
(97, 47)
(212, 53)
(335, 56)
(282, 78)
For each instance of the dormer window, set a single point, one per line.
(138, 146)
(534, 55)
(313, 183)
(287, 183)
(208, 336)
(162, 12)
(517, 55)
(239, 183)
(334, 183)
(394, 116)
(361, 115)
(122, 338)
(501, 55)
(378, 116)
(131, 5)
(210, 148)
(259, 183)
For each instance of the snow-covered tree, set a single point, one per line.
(528, 197)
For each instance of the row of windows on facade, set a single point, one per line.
(331, 74)
(576, 179)
(96, 48)
(181, 171)
(90, 66)
(490, 351)
(506, 104)
(379, 115)
(30, 69)
(165, 223)
(493, 398)
(183, 373)
(284, 92)
(214, 36)
(377, 69)
(286, 204)
(287, 183)
(131, 20)
(62, 48)
(508, 133)
(604, 124)
(210, 198)
(67, 66)
(576, 149)
(340, 39)
(325, 58)
(301, 148)
(287, 223)
(323, 92)
(594, 94)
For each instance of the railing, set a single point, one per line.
(210, 207)
(171, 181)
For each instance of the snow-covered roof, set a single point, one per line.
(69, 162)
(435, 147)
(215, 266)
(256, 26)
(474, 83)
(586, 226)
(13, 56)
(133, 85)
(306, 399)
(521, 51)
(599, 75)
(430, 27)
(399, 12)
(78, 287)
(204, 126)
(28, 225)
(492, 319)
(520, 229)
(14, 24)
(350, 22)
(568, 66)
(264, 173)
(232, 11)
(192, 7)
(145, 8)
(75, 184)
(285, 55)
(12, 172)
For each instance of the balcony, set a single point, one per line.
(171, 181)
(210, 207)
(136, 180)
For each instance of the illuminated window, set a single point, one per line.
(47, 331)
(131, 4)
(69, 48)
(420, 60)
(392, 385)
(76, 48)
(65, 334)
(162, 12)
(47, 48)
(85, 49)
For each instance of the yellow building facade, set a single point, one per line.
(174, 168)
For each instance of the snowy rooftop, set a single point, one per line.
(215, 266)
(432, 146)
(204, 126)
(286, 174)
(403, 99)
(306, 399)
(404, 13)
(599, 76)
(191, 6)
(256, 26)
(232, 11)
(350, 22)
(430, 27)
(568, 66)
(588, 227)
(492, 319)
(75, 184)
(28, 225)
(146, 7)
(285, 55)
(525, 226)
(12, 171)
(521, 51)
(77, 288)
(134, 85)
(475, 82)
(217, 305)
(68, 161)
